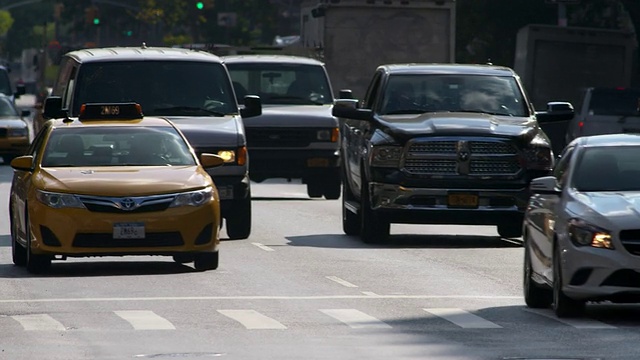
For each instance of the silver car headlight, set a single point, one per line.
(18, 132)
(193, 198)
(585, 234)
(59, 200)
(386, 156)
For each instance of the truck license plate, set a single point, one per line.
(463, 200)
(128, 231)
(317, 162)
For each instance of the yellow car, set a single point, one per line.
(112, 182)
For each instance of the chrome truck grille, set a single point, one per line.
(466, 156)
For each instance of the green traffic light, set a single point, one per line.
(96, 21)
(200, 5)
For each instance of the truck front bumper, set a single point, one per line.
(413, 205)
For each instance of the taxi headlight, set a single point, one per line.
(18, 132)
(585, 234)
(193, 198)
(59, 200)
(228, 156)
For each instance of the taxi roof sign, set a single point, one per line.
(110, 111)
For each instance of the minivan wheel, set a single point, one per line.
(314, 189)
(238, 224)
(332, 188)
(563, 306)
(535, 296)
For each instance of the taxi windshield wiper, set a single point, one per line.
(185, 109)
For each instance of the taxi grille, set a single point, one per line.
(139, 204)
(462, 156)
(280, 137)
(141, 209)
(106, 240)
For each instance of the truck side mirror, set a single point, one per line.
(556, 111)
(53, 108)
(252, 106)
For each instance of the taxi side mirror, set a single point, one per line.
(210, 160)
(24, 163)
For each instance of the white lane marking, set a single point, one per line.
(145, 320)
(262, 297)
(253, 320)
(369, 293)
(464, 319)
(576, 323)
(38, 322)
(341, 281)
(263, 247)
(356, 318)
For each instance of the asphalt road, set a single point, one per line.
(299, 288)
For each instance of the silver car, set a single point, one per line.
(582, 227)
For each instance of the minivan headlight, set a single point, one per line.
(585, 234)
(59, 200)
(193, 198)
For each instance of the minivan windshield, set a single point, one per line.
(162, 88)
(622, 101)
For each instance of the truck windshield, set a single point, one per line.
(278, 83)
(420, 93)
(163, 88)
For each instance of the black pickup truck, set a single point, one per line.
(441, 144)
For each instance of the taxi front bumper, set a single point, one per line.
(80, 232)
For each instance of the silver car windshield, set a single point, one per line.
(611, 168)
(420, 93)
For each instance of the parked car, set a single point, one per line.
(440, 144)
(189, 87)
(606, 111)
(14, 130)
(7, 88)
(112, 182)
(296, 137)
(581, 227)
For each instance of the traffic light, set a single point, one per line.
(96, 21)
(200, 5)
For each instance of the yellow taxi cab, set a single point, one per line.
(113, 182)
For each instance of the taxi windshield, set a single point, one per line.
(163, 88)
(116, 146)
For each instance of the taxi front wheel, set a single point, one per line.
(206, 261)
(35, 263)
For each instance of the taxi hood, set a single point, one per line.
(293, 116)
(121, 181)
(202, 131)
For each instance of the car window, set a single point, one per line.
(281, 83)
(614, 102)
(164, 88)
(611, 168)
(7, 109)
(420, 93)
(372, 91)
(561, 168)
(116, 146)
(5, 83)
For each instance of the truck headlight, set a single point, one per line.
(228, 156)
(386, 156)
(59, 200)
(538, 158)
(193, 198)
(585, 234)
(328, 135)
(18, 132)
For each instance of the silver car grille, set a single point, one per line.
(461, 156)
(127, 204)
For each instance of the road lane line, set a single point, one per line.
(263, 297)
(369, 293)
(356, 318)
(464, 319)
(253, 320)
(39, 322)
(145, 320)
(341, 281)
(263, 247)
(576, 323)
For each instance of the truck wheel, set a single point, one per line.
(535, 296)
(373, 228)
(332, 189)
(314, 189)
(238, 224)
(563, 305)
(206, 261)
(510, 230)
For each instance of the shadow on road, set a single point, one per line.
(100, 268)
(282, 198)
(406, 241)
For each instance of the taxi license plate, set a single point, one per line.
(225, 192)
(317, 162)
(128, 231)
(462, 200)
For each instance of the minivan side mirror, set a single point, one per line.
(252, 106)
(53, 108)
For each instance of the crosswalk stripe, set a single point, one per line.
(39, 322)
(576, 323)
(463, 318)
(253, 320)
(145, 320)
(356, 318)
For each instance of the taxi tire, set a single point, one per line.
(36, 264)
(238, 224)
(18, 252)
(206, 261)
(373, 228)
(563, 306)
(535, 296)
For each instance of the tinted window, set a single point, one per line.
(281, 83)
(614, 102)
(609, 168)
(5, 83)
(419, 93)
(7, 109)
(116, 146)
(168, 88)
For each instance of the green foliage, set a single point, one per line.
(6, 21)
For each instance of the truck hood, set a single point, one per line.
(208, 131)
(122, 181)
(293, 116)
(455, 124)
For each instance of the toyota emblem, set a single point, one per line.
(127, 203)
